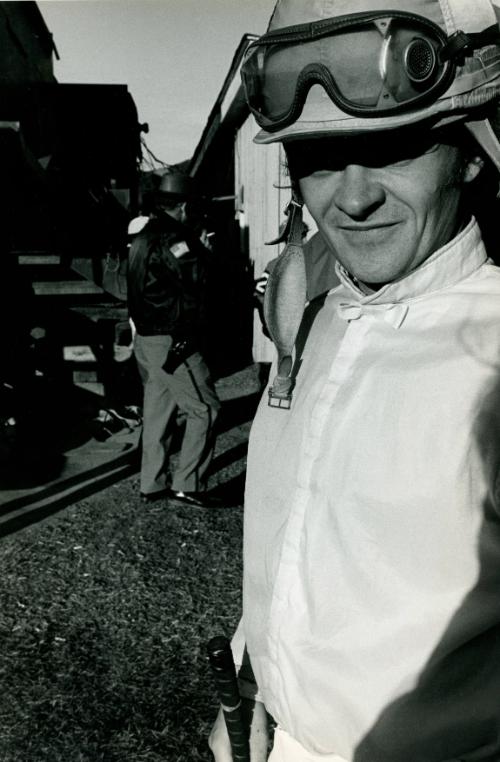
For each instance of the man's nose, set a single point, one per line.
(358, 193)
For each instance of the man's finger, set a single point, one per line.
(218, 740)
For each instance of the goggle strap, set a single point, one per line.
(314, 30)
(290, 213)
(284, 303)
(460, 43)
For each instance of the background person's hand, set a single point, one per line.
(256, 718)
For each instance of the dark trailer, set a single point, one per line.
(70, 156)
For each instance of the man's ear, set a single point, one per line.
(472, 168)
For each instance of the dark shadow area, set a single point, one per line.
(231, 492)
(127, 455)
(29, 517)
(237, 411)
(43, 412)
(228, 457)
(51, 418)
(63, 418)
(452, 713)
(226, 342)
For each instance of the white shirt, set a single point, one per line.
(372, 533)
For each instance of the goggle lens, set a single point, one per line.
(383, 65)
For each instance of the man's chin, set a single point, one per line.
(365, 266)
(374, 277)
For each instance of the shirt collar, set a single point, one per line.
(450, 264)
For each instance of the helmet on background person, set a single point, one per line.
(333, 68)
(167, 189)
(173, 192)
(176, 185)
(343, 67)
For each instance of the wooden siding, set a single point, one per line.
(260, 210)
(262, 187)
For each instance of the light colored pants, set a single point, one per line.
(287, 749)
(190, 389)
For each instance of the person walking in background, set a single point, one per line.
(371, 616)
(166, 274)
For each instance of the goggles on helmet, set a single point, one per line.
(370, 64)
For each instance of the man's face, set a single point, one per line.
(175, 210)
(383, 205)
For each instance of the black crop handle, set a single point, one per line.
(220, 657)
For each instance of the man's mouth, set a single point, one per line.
(362, 228)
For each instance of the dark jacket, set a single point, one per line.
(166, 276)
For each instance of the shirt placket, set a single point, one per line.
(339, 373)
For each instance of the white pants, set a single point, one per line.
(287, 749)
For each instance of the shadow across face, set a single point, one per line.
(391, 148)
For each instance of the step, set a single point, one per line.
(102, 311)
(39, 259)
(66, 288)
(84, 368)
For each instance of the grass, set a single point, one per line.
(104, 618)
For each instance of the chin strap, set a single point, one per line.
(284, 302)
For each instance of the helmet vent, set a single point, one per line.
(420, 60)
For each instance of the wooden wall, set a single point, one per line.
(261, 201)
(263, 192)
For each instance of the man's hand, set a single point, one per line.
(255, 717)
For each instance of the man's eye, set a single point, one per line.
(324, 172)
(410, 155)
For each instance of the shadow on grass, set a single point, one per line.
(57, 418)
(237, 411)
(231, 492)
(228, 457)
(28, 470)
(35, 470)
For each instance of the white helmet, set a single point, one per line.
(353, 66)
